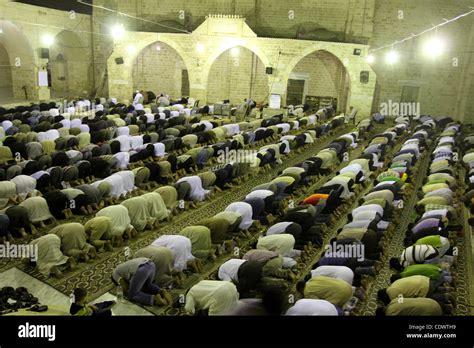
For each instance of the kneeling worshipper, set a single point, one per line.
(200, 236)
(97, 229)
(211, 297)
(434, 272)
(38, 210)
(246, 275)
(138, 212)
(418, 306)
(219, 228)
(137, 279)
(314, 307)
(282, 244)
(182, 250)
(272, 263)
(74, 241)
(416, 286)
(334, 290)
(198, 193)
(50, 257)
(419, 253)
(164, 263)
(121, 223)
(156, 207)
(245, 211)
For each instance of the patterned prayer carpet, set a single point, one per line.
(95, 276)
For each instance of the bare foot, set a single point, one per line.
(159, 301)
(167, 297)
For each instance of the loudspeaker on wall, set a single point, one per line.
(364, 76)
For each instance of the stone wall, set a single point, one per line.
(341, 20)
(159, 71)
(6, 92)
(236, 74)
(446, 84)
(24, 27)
(325, 75)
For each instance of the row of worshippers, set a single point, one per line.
(423, 278)
(111, 223)
(24, 153)
(86, 197)
(368, 223)
(335, 285)
(92, 194)
(146, 211)
(94, 160)
(94, 228)
(272, 256)
(171, 255)
(467, 147)
(272, 262)
(91, 136)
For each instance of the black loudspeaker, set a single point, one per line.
(269, 70)
(119, 60)
(44, 53)
(357, 51)
(364, 76)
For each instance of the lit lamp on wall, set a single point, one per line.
(47, 40)
(434, 47)
(391, 57)
(117, 31)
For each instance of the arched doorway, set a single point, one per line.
(317, 79)
(159, 68)
(71, 73)
(236, 74)
(6, 82)
(17, 65)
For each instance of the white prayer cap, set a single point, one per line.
(54, 112)
(99, 107)
(114, 100)
(87, 102)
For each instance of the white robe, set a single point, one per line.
(338, 272)
(128, 179)
(229, 270)
(24, 184)
(312, 307)
(123, 159)
(245, 210)
(181, 247)
(197, 191)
